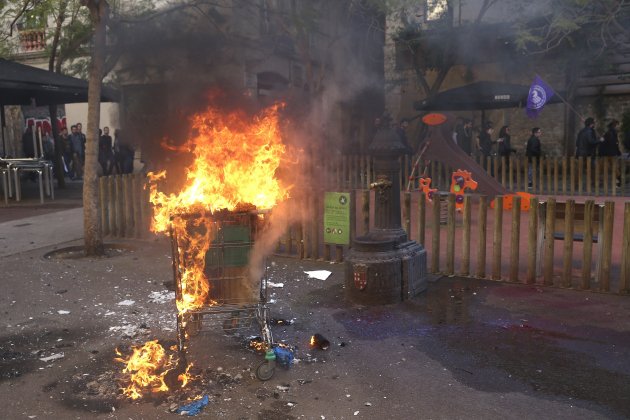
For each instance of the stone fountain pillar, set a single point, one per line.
(384, 266)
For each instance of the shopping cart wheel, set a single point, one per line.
(265, 370)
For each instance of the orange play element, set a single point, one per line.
(460, 180)
(425, 187)
(508, 201)
(434, 119)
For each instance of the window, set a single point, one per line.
(436, 9)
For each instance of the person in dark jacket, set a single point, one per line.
(484, 141)
(504, 141)
(533, 151)
(463, 136)
(587, 141)
(610, 145)
(105, 152)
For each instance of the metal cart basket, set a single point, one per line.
(234, 301)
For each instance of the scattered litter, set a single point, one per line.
(368, 404)
(162, 296)
(193, 408)
(127, 302)
(319, 274)
(52, 357)
(282, 388)
(356, 413)
(272, 285)
(127, 331)
(63, 312)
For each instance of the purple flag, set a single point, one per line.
(539, 94)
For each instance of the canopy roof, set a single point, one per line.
(479, 96)
(26, 85)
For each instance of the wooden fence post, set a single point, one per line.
(103, 200)
(128, 192)
(435, 235)
(498, 237)
(407, 213)
(111, 205)
(466, 236)
(137, 204)
(422, 211)
(587, 256)
(120, 209)
(550, 227)
(606, 247)
(450, 236)
(569, 216)
(515, 238)
(483, 221)
(532, 240)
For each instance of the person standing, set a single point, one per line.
(76, 146)
(586, 143)
(66, 152)
(504, 141)
(533, 151)
(610, 145)
(463, 136)
(105, 152)
(484, 141)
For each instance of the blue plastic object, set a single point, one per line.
(194, 407)
(284, 356)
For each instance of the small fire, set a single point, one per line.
(235, 163)
(149, 368)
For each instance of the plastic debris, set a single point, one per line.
(319, 274)
(63, 312)
(194, 407)
(284, 356)
(127, 302)
(52, 357)
(274, 285)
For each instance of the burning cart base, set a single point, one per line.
(224, 295)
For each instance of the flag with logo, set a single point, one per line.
(539, 94)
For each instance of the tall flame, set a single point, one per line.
(235, 161)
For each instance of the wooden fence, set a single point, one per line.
(587, 249)
(125, 207)
(549, 175)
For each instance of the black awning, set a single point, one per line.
(479, 96)
(26, 85)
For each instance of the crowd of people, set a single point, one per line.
(588, 143)
(115, 156)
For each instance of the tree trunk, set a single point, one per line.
(92, 228)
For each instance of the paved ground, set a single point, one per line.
(464, 349)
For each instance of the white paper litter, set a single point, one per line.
(52, 357)
(127, 302)
(161, 296)
(319, 274)
(274, 285)
(63, 312)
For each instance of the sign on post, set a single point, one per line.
(337, 218)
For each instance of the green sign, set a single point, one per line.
(337, 218)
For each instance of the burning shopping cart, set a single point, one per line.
(214, 278)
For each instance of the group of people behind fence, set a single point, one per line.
(115, 156)
(588, 143)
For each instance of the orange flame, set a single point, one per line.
(147, 367)
(235, 161)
